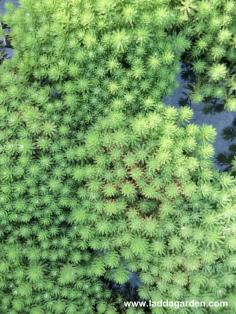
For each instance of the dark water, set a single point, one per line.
(224, 122)
(6, 50)
(3, 2)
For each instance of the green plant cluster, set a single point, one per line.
(211, 25)
(98, 178)
(155, 208)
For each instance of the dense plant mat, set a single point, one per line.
(98, 178)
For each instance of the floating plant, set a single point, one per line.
(106, 193)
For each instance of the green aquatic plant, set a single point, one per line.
(98, 179)
(211, 29)
(181, 220)
(118, 52)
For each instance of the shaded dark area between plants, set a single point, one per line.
(212, 113)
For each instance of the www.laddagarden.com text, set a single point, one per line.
(176, 304)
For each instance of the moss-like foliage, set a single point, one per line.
(212, 26)
(92, 52)
(157, 208)
(98, 179)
